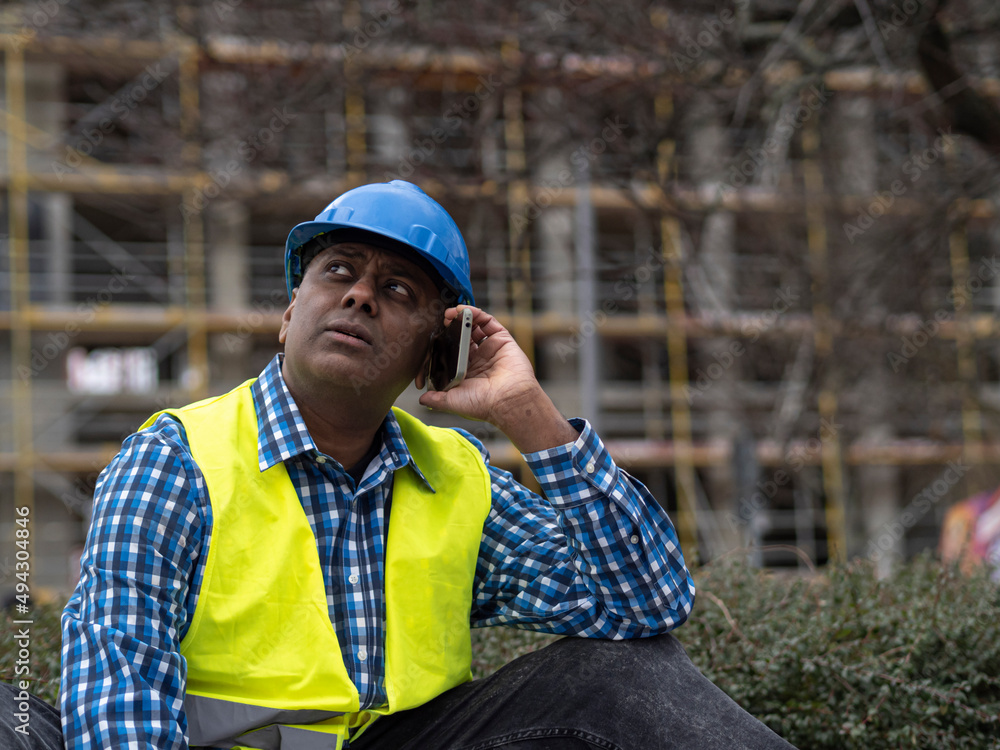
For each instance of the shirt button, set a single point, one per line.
(590, 467)
(634, 539)
(321, 459)
(353, 578)
(362, 654)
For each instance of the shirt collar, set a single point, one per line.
(282, 433)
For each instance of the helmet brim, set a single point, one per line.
(303, 233)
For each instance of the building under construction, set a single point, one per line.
(770, 280)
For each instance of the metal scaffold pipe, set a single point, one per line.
(586, 301)
(17, 244)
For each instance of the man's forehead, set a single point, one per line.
(393, 261)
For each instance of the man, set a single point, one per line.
(296, 564)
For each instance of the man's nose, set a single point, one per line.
(361, 295)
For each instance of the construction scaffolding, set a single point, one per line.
(698, 319)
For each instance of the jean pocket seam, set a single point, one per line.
(599, 743)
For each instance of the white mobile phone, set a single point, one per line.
(450, 353)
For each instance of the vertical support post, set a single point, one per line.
(958, 245)
(518, 204)
(979, 477)
(187, 91)
(20, 298)
(59, 236)
(832, 465)
(354, 119)
(653, 417)
(680, 414)
(355, 138)
(194, 231)
(586, 298)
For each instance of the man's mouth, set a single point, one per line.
(351, 331)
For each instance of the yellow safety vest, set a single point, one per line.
(264, 666)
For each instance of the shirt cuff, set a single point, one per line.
(577, 472)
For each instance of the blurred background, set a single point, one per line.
(754, 242)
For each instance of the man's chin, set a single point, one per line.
(361, 377)
(356, 375)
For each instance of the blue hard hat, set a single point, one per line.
(401, 212)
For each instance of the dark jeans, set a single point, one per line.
(576, 694)
(17, 709)
(581, 694)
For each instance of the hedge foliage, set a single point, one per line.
(44, 643)
(838, 659)
(844, 660)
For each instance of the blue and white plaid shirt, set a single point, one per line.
(597, 556)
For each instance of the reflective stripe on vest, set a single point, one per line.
(261, 636)
(216, 722)
(220, 723)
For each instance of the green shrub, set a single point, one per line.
(834, 660)
(843, 660)
(44, 642)
(494, 647)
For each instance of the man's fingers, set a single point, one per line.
(483, 354)
(426, 399)
(489, 325)
(433, 400)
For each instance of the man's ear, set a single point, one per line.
(286, 317)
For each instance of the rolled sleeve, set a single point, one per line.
(575, 473)
(594, 554)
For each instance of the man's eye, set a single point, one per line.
(339, 268)
(399, 288)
